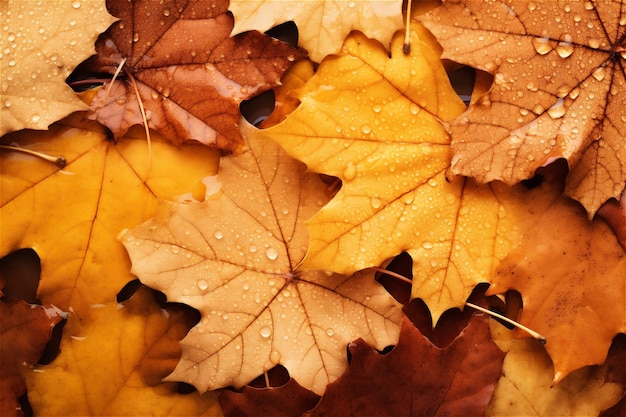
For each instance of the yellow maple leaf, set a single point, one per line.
(322, 25)
(375, 122)
(40, 44)
(123, 338)
(526, 387)
(559, 91)
(235, 257)
(71, 216)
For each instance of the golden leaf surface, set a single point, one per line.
(571, 274)
(76, 238)
(235, 257)
(526, 386)
(322, 24)
(40, 44)
(113, 367)
(559, 91)
(374, 122)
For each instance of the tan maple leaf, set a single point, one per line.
(559, 90)
(322, 24)
(40, 44)
(190, 75)
(235, 257)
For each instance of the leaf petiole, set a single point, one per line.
(56, 160)
(533, 333)
(407, 34)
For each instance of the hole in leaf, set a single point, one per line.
(400, 290)
(128, 290)
(258, 108)
(53, 347)
(462, 80)
(277, 377)
(286, 32)
(20, 271)
(25, 407)
(185, 388)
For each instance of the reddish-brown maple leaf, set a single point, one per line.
(417, 378)
(559, 90)
(617, 373)
(25, 330)
(188, 71)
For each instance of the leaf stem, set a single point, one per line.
(533, 333)
(407, 35)
(56, 160)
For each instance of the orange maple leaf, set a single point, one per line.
(559, 91)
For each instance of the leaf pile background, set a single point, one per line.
(249, 284)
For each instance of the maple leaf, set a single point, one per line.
(427, 380)
(25, 330)
(285, 401)
(137, 340)
(322, 25)
(617, 373)
(188, 72)
(246, 242)
(526, 387)
(71, 217)
(41, 43)
(559, 91)
(374, 122)
(570, 273)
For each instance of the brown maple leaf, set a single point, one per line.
(427, 381)
(559, 90)
(190, 75)
(25, 330)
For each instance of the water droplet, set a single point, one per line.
(557, 110)
(7, 103)
(375, 202)
(245, 286)
(330, 332)
(599, 73)
(565, 49)
(12, 63)
(414, 108)
(542, 45)
(203, 284)
(252, 248)
(366, 129)
(594, 43)
(350, 172)
(218, 234)
(432, 182)
(265, 332)
(76, 4)
(136, 37)
(35, 118)
(291, 58)
(377, 108)
(427, 245)
(275, 356)
(574, 93)
(271, 253)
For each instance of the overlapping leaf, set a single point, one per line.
(136, 344)
(71, 217)
(235, 258)
(40, 44)
(374, 122)
(559, 90)
(571, 274)
(322, 24)
(426, 380)
(526, 387)
(189, 74)
(25, 330)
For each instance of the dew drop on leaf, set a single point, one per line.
(350, 172)
(265, 332)
(203, 284)
(542, 45)
(557, 110)
(275, 356)
(271, 253)
(218, 234)
(599, 73)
